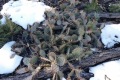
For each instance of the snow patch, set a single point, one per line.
(62, 78)
(106, 71)
(2, 21)
(110, 35)
(23, 12)
(8, 64)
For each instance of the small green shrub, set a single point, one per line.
(7, 31)
(93, 6)
(114, 7)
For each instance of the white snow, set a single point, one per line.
(24, 12)
(7, 63)
(110, 35)
(62, 78)
(2, 21)
(110, 69)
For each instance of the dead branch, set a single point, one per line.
(92, 60)
(106, 15)
(17, 77)
(97, 58)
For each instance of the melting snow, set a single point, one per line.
(24, 12)
(106, 71)
(21, 12)
(109, 70)
(62, 79)
(8, 64)
(2, 21)
(110, 35)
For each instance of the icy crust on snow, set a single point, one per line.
(7, 63)
(106, 71)
(23, 12)
(110, 35)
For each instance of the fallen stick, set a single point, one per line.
(106, 15)
(16, 77)
(97, 58)
(94, 59)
